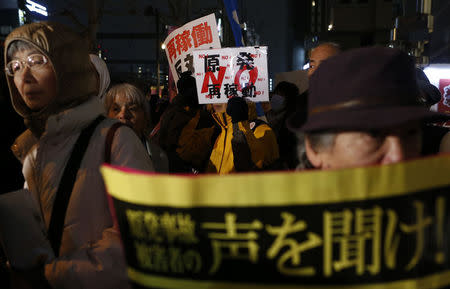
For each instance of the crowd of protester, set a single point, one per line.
(349, 117)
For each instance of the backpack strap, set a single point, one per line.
(66, 184)
(107, 158)
(255, 123)
(109, 139)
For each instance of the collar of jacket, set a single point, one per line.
(74, 119)
(23, 144)
(65, 122)
(222, 119)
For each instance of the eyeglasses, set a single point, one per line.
(33, 61)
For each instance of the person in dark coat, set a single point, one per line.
(284, 102)
(186, 131)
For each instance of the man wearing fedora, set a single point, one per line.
(364, 109)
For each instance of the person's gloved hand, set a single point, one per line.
(187, 88)
(237, 108)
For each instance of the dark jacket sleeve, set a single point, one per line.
(194, 145)
(262, 144)
(242, 156)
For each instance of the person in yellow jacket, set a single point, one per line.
(242, 145)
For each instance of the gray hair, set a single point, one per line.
(18, 45)
(319, 141)
(334, 45)
(131, 92)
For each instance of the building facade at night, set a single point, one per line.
(14, 13)
(128, 34)
(419, 27)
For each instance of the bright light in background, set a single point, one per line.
(313, 4)
(163, 46)
(330, 27)
(270, 84)
(435, 72)
(35, 7)
(21, 17)
(298, 57)
(306, 66)
(220, 28)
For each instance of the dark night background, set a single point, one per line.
(128, 35)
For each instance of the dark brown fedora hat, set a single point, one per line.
(365, 88)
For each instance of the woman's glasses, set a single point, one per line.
(33, 61)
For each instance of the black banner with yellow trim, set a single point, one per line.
(376, 227)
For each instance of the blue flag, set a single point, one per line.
(232, 11)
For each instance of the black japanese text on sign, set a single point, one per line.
(231, 72)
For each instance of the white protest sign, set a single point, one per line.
(197, 34)
(227, 72)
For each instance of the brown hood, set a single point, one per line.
(77, 79)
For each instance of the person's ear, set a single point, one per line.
(313, 156)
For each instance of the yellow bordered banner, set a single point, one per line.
(433, 281)
(376, 227)
(278, 189)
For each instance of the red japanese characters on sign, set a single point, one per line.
(201, 34)
(198, 34)
(182, 42)
(171, 50)
(230, 72)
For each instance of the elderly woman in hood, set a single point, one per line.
(54, 87)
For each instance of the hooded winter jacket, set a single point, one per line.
(261, 142)
(91, 255)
